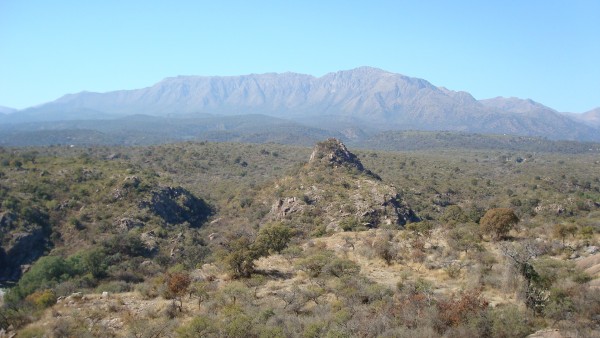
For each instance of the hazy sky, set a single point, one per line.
(548, 51)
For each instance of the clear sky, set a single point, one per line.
(547, 50)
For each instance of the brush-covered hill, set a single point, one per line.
(102, 217)
(217, 239)
(334, 192)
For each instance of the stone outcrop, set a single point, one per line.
(332, 152)
(321, 192)
(176, 205)
(20, 250)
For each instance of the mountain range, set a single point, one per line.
(354, 103)
(6, 110)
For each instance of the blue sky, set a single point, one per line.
(548, 51)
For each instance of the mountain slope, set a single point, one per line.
(6, 110)
(369, 97)
(590, 118)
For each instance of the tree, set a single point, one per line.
(522, 256)
(453, 215)
(272, 238)
(178, 283)
(498, 222)
(241, 258)
(563, 230)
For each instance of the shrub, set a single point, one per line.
(385, 250)
(339, 267)
(464, 238)
(42, 299)
(272, 238)
(314, 264)
(114, 287)
(45, 273)
(458, 310)
(200, 326)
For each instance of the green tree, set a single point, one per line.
(240, 259)
(272, 238)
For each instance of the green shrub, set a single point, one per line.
(201, 326)
(42, 299)
(44, 274)
(272, 238)
(117, 286)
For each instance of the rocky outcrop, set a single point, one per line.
(332, 152)
(176, 205)
(22, 249)
(334, 189)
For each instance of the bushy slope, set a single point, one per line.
(166, 231)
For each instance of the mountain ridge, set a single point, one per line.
(371, 97)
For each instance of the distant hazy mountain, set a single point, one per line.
(590, 118)
(6, 110)
(351, 102)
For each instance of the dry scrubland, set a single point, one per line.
(218, 239)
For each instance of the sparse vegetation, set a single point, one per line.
(188, 240)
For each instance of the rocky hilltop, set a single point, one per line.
(334, 192)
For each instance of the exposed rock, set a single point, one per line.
(285, 206)
(6, 220)
(546, 333)
(176, 205)
(339, 199)
(332, 152)
(126, 223)
(21, 249)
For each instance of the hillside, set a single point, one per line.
(147, 130)
(591, 118)
(6, 110)
(364, 98)
(230, 239)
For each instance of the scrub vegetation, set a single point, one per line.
(256, 240)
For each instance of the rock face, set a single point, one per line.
(21, 249)
(332, 152)
(335, 191)
(22, 241)
(176, 205)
